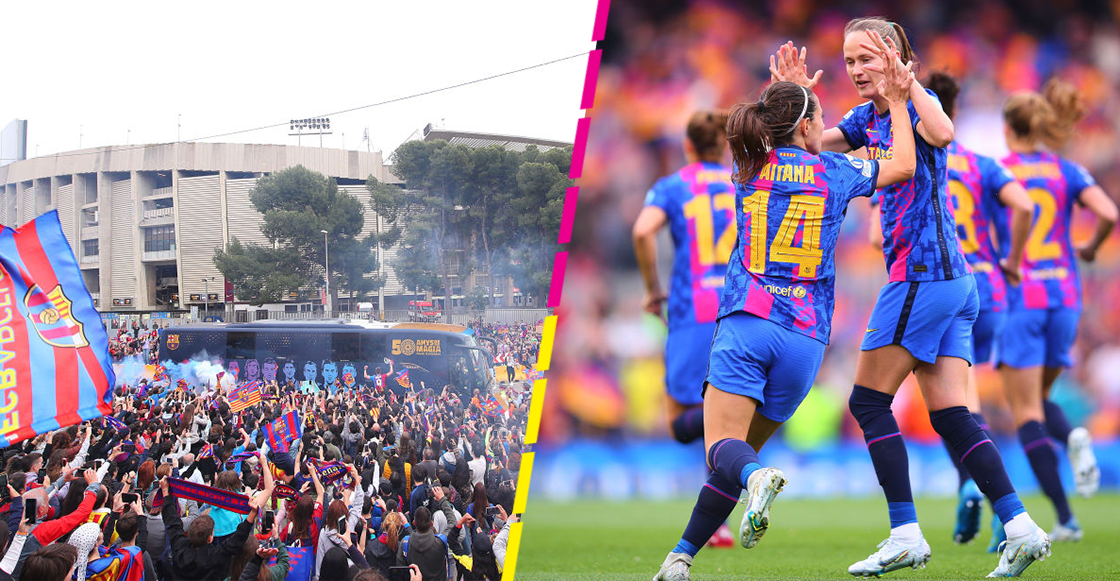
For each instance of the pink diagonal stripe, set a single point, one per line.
(592, 79)
(885, 437)
(580, 148)
(558, 268)
(569, 217)
(601, 20)
(974, 446)
(720, 492)
(1034, 444)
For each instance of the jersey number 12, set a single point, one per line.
(700, 210)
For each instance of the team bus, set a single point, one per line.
(433, 355)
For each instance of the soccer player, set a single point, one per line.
(922, 320)
(698, 204)
(775, 314)
(1046, 307)
(980, 188)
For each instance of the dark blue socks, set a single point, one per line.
(980, 457)
(689, 425)
(1056, 422)
(872, 410)
(1044, 462)
(962, 473)
(716, 501)
(735, 460)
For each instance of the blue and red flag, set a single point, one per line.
(207, 451)
(402, 378)
(245, 397)
(282, 431)
(114, 422)
(55, 369)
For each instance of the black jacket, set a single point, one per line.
(427, 551)
(190, 563)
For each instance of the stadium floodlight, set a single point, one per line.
(310, 125)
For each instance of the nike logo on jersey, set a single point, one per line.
(872, 330)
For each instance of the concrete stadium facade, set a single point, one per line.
(144, 220)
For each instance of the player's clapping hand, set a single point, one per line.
(788, 64)
(897, 77)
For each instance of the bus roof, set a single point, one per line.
(328, 323)
(432, 327)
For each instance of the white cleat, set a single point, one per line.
(762, 486)
(1067, 533)
(675, 568)
(1018, 553)
(1086, 474)
(892, 556)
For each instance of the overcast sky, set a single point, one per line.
(124, 71)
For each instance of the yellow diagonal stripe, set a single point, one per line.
(547, 336)
(535, 407)
(523, 483)
(512, 545)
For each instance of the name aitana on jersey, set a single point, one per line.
(782, 268)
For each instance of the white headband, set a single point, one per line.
(804, 108)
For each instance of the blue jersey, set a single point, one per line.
(789, 218)
(699, 201)
(919, 234)
(1050, 278)
(974, 185)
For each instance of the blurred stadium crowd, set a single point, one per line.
(663, 60)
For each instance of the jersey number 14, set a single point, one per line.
(805, 213)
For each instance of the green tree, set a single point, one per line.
(537, 210)
(492, 184)
(260, 274)
(431, 213)
(297, 205)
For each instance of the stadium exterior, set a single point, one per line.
(144, 220)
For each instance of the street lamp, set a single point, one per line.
(206, 286)
(327, 268)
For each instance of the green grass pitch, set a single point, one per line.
(807, 539)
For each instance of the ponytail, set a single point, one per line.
(707, 132)
(1068, 108)
(753, 129)
(1048, 117)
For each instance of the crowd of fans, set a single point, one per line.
(135, 340)
(423, 487)
(664, 60)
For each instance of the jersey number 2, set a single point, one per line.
(804, 211)
(1038, 248)
(700, 209)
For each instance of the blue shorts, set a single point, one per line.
(929, 319)
(1034, 337)
(686, 355)
(764, 361)
(988, 327)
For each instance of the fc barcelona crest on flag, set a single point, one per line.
(50, 314)
(172, 341)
